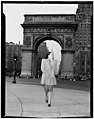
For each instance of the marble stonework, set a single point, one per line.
(37, 28)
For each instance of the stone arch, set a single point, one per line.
(40, 39)
(38, 28)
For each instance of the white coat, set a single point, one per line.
(48, 72)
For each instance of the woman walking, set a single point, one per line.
(48, 68)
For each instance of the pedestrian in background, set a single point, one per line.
(48, 68)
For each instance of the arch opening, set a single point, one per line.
(45, 45)
(44, 38)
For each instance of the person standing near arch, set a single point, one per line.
(48, 79)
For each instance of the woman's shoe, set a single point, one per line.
(49, 105)
(46, 101)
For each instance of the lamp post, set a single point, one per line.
(15, 60)
(74, 64)
(74, 68)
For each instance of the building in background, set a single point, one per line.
(42, 51)
(83, 39)
(11, 51)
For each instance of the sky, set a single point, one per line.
(15, 17)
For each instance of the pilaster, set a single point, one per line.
(26, 62)
(67, 62)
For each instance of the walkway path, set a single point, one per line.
(28, 101)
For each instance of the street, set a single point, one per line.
(27, 100)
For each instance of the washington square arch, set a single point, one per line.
(38, 28)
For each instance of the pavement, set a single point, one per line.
(65, 84)
(24, 100)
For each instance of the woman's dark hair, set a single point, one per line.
(46, 56)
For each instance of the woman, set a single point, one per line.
(48, 68)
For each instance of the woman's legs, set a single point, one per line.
(46, 93)
(50, 95)
(46, 96)
(49, 98)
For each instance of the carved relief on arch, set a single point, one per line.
(27, 41)
(60, 38)
(35, 37)
(68, 41)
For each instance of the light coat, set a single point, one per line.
(48, 72)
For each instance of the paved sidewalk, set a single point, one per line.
(76, 85)
(28, 101)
